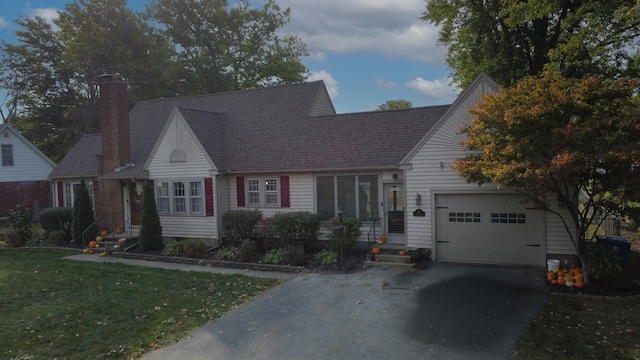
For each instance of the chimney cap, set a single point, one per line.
(110, 78)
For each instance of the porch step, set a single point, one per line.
(389, 257)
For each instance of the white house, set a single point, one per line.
(284, 148)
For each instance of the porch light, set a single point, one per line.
(418, 199)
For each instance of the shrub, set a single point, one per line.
(82, 212)
(296, 228)
(293, 255)
(274, 256)
(190, 248)
(266, 234)
(247, 249)
(57, 218)
(351, 234)
(150, 237)
(19, 219)
(238, 225)
(58, 238)
(38, 239)
(228, 253)
(602, 262)
(4, 239)
(326, 257)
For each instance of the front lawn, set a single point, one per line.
(582, 327)
(55, 308)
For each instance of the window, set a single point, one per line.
(180, 197)
(196, 197)
(508, 218)
(70, 190)
(263, 192)
(7, 155)
(271, 191)
(356, 195)
(254, 191)
(464, 217)
(162, 193)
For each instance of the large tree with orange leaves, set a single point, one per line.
(552, 138)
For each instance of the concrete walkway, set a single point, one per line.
(183, 267)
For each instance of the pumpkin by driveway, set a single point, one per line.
(445, 311)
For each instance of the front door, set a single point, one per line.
(394, 204)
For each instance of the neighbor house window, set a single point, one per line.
(263, 192)
(7, 155)
(356, 195)
(180, 197)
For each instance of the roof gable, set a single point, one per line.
(483, 84)
(12, 132)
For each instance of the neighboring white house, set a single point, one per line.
(23, 172)
(284, 149)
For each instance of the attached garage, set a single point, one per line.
(488, 228)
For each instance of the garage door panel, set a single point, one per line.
(496, 228)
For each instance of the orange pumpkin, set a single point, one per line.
(103, 233)
(401, 253)
(579, 284)
(383, 238)
(92, 244)
(560, 281)
(91, 251)
(375, 250)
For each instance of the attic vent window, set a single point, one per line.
(5, 133)
(177, 156)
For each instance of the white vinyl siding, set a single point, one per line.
(29, 163)
(429, 173)
(192, 223)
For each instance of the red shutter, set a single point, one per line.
(208, 196)
(285, 200)
(240, 190)
(60, 194)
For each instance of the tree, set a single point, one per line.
(231, 48)
(150, 237)
(395, 105)
(511, 39)
(82, 213)
(552, 138)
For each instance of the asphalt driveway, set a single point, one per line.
(446, 311)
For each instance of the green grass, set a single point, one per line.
(586, 328)
(55, 308)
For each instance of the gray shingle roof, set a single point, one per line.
(268, 129)
(81, 160)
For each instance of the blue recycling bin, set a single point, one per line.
(619, 245)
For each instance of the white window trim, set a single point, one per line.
(69, 193)
(187, 196)
(263, 192)
(10, 155)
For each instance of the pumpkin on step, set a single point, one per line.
(92, 244)
(383, 239)
(401, 252)
(375, 250)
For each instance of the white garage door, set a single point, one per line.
(488, 229)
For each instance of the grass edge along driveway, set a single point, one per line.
(55, 308)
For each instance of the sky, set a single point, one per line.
(366, 51)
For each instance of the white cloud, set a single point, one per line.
(4, 23)
(48, 14)
(390, 28)
(329, 81)
(438, 89)
(387, 84)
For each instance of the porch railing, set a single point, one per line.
(372, 236)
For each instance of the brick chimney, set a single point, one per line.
(114, 123)
(116, 150)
